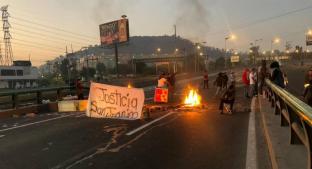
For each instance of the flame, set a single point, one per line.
(129, 86)
(193, 99)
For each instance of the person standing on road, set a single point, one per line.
(162, 81)
(206, 80)
(245, 80)
(277, 75)
(262, 73)
(307, 94)
(79, 89)
(253, 82)
(232, 78)
(218, 83)
(225, 80)
(228, 98)
(171, 88)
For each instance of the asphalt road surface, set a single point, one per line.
(180, 138)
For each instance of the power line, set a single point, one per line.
(43, 34)
(56, 40)
(36, 46)
(243, 26)
(40, 44)
(39, 37)
(51, 27)
(49, 31)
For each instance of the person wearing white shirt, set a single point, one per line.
(162, 83)
(253, 82)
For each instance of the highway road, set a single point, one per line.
(197, 139)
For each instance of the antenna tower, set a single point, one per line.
(8, 53)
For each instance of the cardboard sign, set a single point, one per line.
(106, 101)
(161, 95)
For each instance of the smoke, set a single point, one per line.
(193, 19)
(105, 10)
(190, 16)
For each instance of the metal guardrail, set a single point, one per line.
(12, 97)
(294, 113)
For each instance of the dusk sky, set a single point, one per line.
(42, 28)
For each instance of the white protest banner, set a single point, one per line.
(106, 101)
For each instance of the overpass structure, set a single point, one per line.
(168, 136)
(172, 62)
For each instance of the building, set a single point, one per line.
(20, 75)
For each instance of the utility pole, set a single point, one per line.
(8, 53)
(116, 59)
(90, 59)
(68, 66)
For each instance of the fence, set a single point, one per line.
(17, 98)
(293, 113)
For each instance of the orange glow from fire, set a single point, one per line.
(129, 86)
(193, 98)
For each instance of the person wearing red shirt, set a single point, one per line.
(246, 81)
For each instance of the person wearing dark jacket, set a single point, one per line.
(79, 89)
(277, 75)
(225, 80)
(228, 98)
(218, 83)
(262, 72)
(307, 94)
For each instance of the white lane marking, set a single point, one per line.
(1, 136)
(148, 124)
(150, 98)
(251, 155)
(38, 122)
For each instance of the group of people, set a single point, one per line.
(166, 80)
(254, 79)
(225, 83)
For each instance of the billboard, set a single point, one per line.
(114, 32)
(309, 40)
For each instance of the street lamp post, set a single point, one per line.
(85, 50)
(198, 47)
(231, 37)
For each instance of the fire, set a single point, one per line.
(129, 86)
(193, 99)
